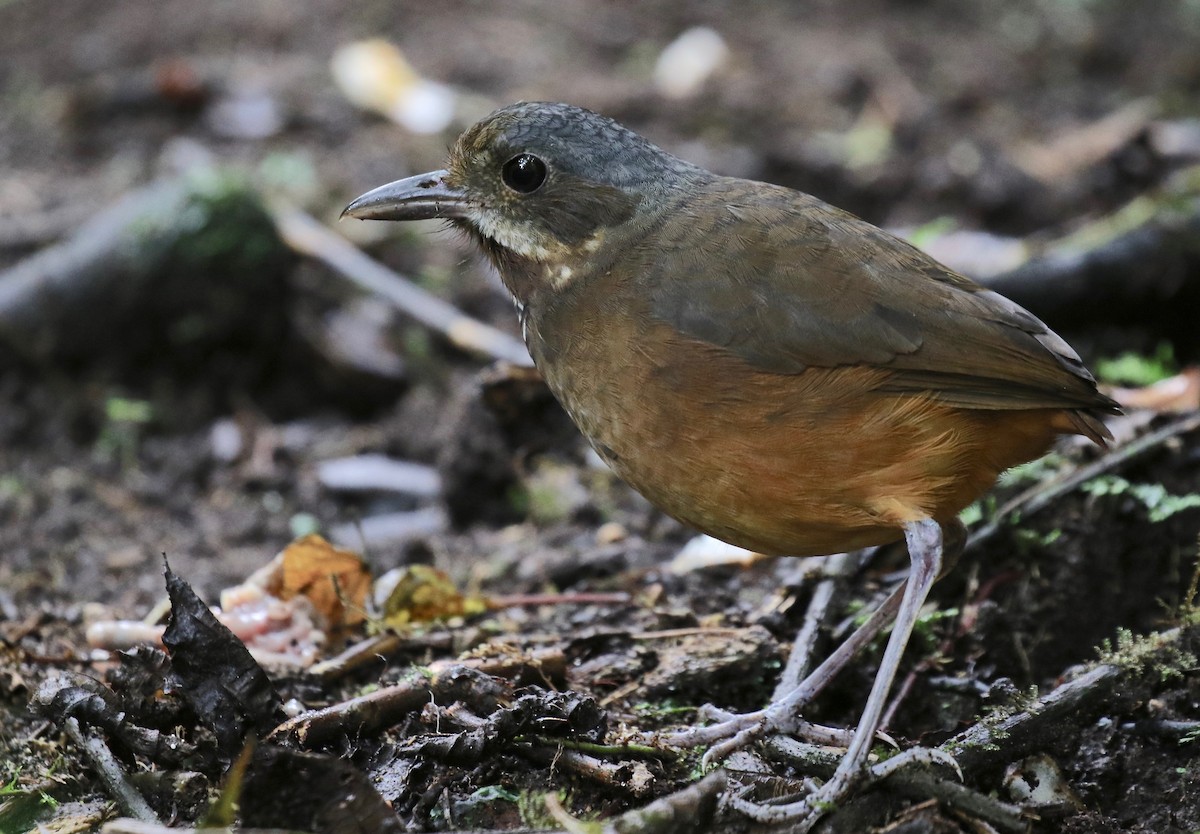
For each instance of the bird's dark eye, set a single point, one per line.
(524, 173)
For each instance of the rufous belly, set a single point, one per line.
(809, 463)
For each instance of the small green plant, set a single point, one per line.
(20, 809)
(973, 514)
(1026, 538)
(1160, 503)
(1135, 369)
(124, 422)
(1034, 471)
(982, 510)
(531, 805)
(925, 629)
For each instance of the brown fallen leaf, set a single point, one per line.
(334, 580)
(1175, 394)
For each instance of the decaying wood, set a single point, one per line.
(1138, 266)
(198, 248)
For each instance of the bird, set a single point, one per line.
(762, 366)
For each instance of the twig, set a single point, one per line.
(110, 773)
(684, 811)
(132, 826)
(381, 647)
(632, 777)
(472, 680)
(690, 631)
(991, 744)
(498, 602)
(28, 231)
(126, 825)
(364, 715)
(307, 236)
(924, 785)
(837, 569)
(801, 756)
(641, 750)
(1133, 266)
(161, 252)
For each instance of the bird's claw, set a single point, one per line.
(731, 726)
(800, 815)
(711, 712)
(739, 740)
(803, 813)
(734, 732)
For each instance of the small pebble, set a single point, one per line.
(688, 62)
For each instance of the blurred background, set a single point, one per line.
(933, 107)
(176, 374)
(172, 359)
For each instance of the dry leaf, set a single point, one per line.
(1175, 394)
(422, 594)
(334, 580)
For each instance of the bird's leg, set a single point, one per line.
(783, 716)
(925, 548)
(838, 568)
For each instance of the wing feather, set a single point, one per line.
(807, 285)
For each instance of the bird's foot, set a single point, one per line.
(803, 813)
(734, 732)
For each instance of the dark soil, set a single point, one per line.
(90, 498)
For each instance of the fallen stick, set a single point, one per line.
(1042, 495)
(1136, 266)
(110, 772)
(308, 237)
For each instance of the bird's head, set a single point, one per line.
(538, 184)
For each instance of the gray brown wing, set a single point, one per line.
(802, 284)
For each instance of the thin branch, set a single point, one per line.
(110, 773)
(308, 237)
(1042, 495)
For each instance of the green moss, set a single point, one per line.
(662, 709)
(1157, 653)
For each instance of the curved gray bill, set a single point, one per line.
(422, 197)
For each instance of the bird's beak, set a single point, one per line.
(423, 197)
